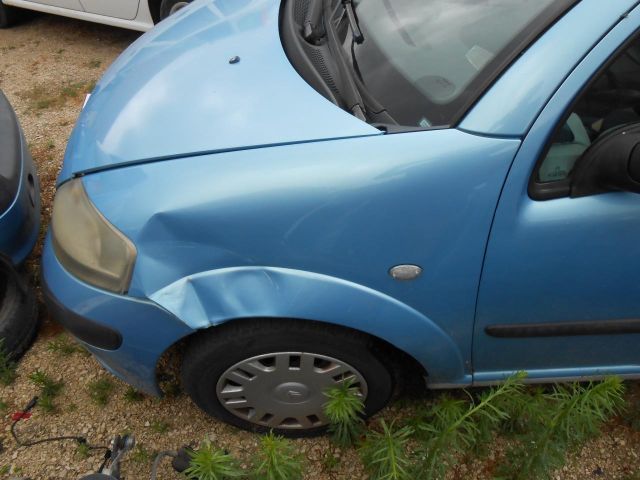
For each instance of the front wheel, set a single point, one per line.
(169, 7)
(273, 374)
(18, 312)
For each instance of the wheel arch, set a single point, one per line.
(407, 372)
(221, 297)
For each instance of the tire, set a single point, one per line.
(169, 7)
(18, 314)
(8, 15)
(288, 398)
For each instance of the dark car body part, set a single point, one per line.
(19, 227)
(82, 328)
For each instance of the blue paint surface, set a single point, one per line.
(248, 195)
(174, 92)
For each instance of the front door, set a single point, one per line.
(560, 290)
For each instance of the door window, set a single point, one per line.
(611, 100)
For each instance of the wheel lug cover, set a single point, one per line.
(284, 390)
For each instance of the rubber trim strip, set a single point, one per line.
(568, 329)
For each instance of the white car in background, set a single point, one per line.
(133, 14)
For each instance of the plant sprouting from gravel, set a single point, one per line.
(42, 97)
(277, 459)
(159, 426)
(451, 427)
(211, 463)
(100, 391)
(7, 367)
(63, 346)
(385, 453)
(330, 460)
(132, 395)
(565, 419)
(49, 390)
(83, 450)
(344, 409)
(141, 455)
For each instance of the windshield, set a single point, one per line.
(427, 60)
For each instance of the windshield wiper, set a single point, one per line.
(348, 87)
(319, 28)
(312, 25)
(353, 21)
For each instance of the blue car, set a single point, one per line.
(19, 228)
(278, 197)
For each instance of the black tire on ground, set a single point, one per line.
(18, 314)
(167, 7)
(8, 15)
(209, 354)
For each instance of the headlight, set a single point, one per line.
(86, 244)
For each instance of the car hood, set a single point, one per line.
(176, 92)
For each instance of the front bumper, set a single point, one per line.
(127, 335)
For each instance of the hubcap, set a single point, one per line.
(177, 7)
(284, 390)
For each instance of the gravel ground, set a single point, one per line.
(47, 65)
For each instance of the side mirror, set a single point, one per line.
(610, 164)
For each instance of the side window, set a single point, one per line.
(612, 100)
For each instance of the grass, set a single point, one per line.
(564, 420)
(171, 388)
(277, 459)
(330, 461)
(64, 346)
(212, 463)
(159, 426)
(43, 97)
(344, 409)
(7, 367)
(141, 455)
(131, 395)
(385, 453)
(49, 390)
(543, 426)
(83, 450)
(100, 391)
(451, 427)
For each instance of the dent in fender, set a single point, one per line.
(211, 298)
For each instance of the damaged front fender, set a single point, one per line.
(212, 298)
